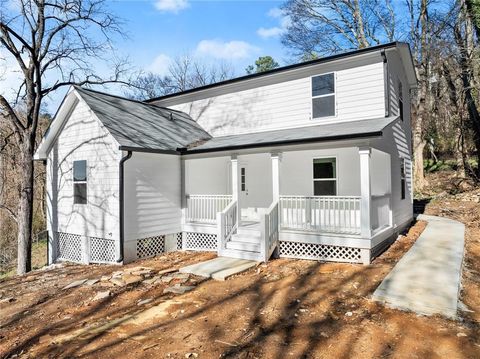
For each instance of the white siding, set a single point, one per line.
(397, 142)
(286, 103)
(208, 176)
(152, 195)
(296, 171)
(84, 138)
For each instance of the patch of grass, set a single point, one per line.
(39, 259)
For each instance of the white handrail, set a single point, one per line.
(227, 224)
(270, 231)
(332, 214)
(204, 208)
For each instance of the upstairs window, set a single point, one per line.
(400, 99)
(403, 176)
(324, 177)
(80, 182)
(323, 96)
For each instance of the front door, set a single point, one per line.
(243, 184)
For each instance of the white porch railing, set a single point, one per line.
(269, 229)
(204, 208)
(332, 214)
(380, 211)
(227, 225)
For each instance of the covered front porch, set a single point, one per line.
(316, 203)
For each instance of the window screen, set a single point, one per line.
(80, 182)
(323, 96)
(324, 177)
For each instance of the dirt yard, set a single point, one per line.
(287, 308)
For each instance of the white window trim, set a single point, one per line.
(79, 182)
(313, 97)
(325, 179)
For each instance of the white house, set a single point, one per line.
(311, 160)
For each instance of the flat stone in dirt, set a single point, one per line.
(219, 268)
(101, 295)
(118, 281)
(180, 289)
(76, 283)
(130, 278)
(92, 281)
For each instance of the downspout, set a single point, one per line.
(386, 81)
(121, 198)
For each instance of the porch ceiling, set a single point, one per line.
(326, 132)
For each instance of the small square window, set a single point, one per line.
(80, 182)
(323, 106)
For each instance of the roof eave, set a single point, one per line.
(287, 142)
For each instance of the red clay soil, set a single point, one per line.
(285, 309)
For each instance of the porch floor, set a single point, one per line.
(427, 279)
(219, 268)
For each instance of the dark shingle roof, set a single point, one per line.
(139, 125)
(326, 132)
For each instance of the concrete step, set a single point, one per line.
(243, 246)
(234, 253)
(247, 237)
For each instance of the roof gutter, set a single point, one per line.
(282, 143)
(122, 203)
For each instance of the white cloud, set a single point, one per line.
(173, 6)
(284, 22)
(270, 32)
(160, 65)
(275, 12)
(230, 50)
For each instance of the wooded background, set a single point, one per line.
(53, 36)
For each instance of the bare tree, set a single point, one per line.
(54, 44)
(330, 26)
(185, 72)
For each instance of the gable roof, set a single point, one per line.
(135, 125)
(138, 125)
(318, 133)
(402, 47)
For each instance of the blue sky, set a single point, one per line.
(236, 32)
(230, 32)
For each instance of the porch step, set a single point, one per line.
(235, 253)
(249, 237)
(243, 246)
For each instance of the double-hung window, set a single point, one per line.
(400, 99)
(323, 95)
(80, 182)
(324, 177)
(403, 176)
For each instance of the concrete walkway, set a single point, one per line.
(219, 268)
(427, 279)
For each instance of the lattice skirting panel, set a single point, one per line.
(199, 241)
(179, 240)
(319, 252)
(81, 249)
(150, 247)
(102, 250)
(69, 247)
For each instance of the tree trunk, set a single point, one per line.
(25, 210)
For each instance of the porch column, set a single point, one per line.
(365, 201)
(234, 174)
(275, 177)
(234, 163)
